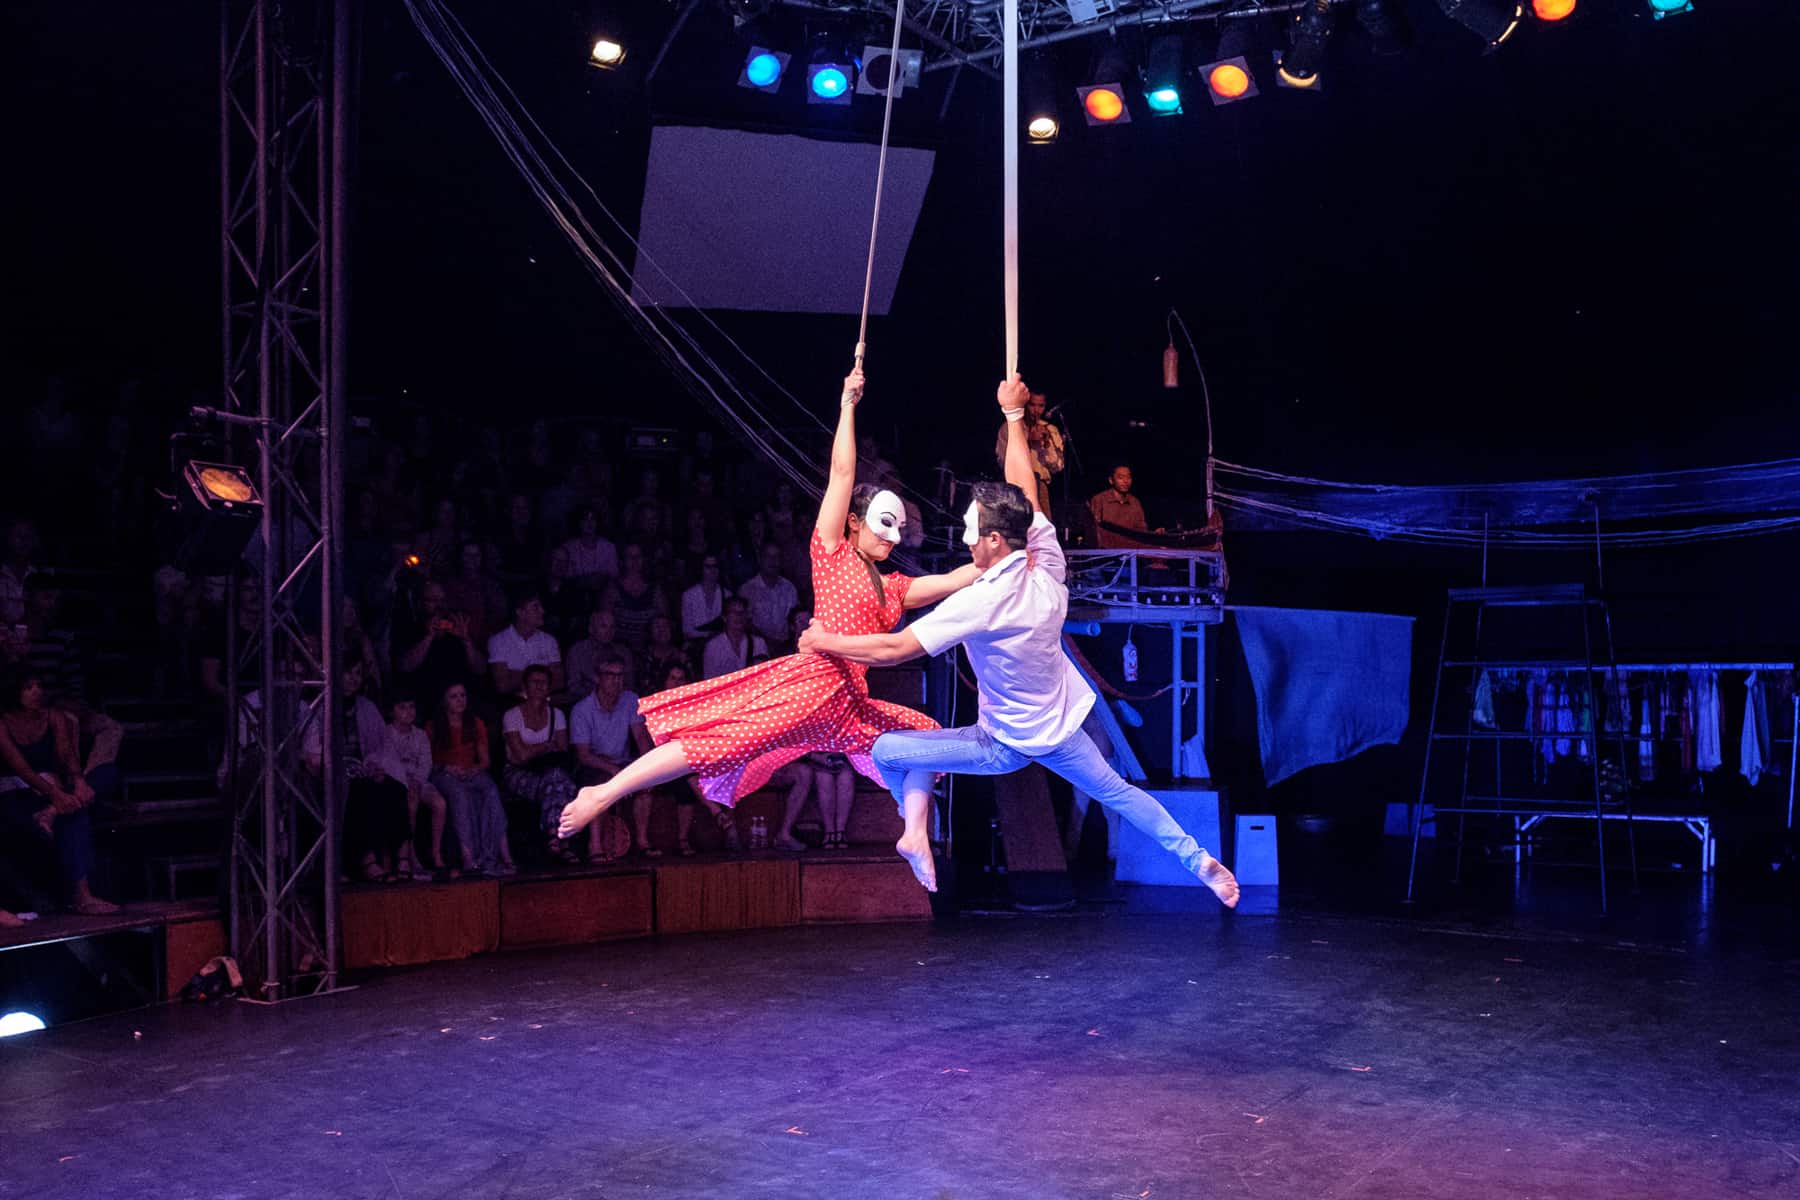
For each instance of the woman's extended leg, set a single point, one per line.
(668, 761)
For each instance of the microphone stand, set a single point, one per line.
(1070, 462)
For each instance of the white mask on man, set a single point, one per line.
(972, 524)
(886, 516)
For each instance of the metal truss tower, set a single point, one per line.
(285, 84)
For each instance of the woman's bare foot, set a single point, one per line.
(917, 853)
(588, 803)
(1215, 875)
(90, 905)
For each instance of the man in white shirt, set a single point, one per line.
(703, 604)
(737, 647)
(522, 644)
(606, 732)
(771, 597)
(1032, 700)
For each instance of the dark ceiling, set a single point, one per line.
(1572, 255)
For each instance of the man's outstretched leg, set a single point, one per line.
(1079, 761)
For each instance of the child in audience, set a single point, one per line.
(406, 756)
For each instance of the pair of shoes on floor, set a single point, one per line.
(834, 841)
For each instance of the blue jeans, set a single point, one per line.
(971, 750)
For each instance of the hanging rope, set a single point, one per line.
(887, 120)
(1010, 184)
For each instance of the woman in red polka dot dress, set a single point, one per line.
(734, 731)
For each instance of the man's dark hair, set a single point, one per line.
(609, 658)
(402, 697)
(522, 594)
(1004, 510)
(732, 602)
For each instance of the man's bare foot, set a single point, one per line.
(787, 841)
(93, 906)
(1215, 875)
(9, 920)
(588, 803)
(917, 853)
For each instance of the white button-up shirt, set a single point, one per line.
(1011, 622)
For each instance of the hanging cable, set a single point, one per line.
(695, 367)
(1010, 183)
(887, 120)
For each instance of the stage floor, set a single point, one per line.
(1114, 1053)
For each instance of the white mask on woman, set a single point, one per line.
(886, 516)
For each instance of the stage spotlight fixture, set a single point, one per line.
(1307, 36)
(1037, 99)
(1162, 76)
(872, 80)
(1386, 24)
(763, 69)
(214, 514)
(1493, 21)
(19, 1022)
(1669, 8)
(1229, 80)
(606, 54)
(1552, 10)
(828, 83)
(830, 71)
(1104, 104)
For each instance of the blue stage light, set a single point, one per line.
(1164, 100)
(763, 69)
(828, 83)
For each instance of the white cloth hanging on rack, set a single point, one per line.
(1753, 750)
(1646, 744)
(1484, 702)
(1708, 754)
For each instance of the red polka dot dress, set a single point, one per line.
(741, 728)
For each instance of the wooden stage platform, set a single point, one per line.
(407, 924)
(160, 945)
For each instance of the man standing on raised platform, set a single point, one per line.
(1033, 701)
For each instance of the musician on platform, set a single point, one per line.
(1045, 442)
(1116, 506)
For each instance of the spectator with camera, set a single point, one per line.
(436, 646)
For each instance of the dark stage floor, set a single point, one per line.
(1114, 1053)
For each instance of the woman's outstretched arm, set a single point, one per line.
(835, 508)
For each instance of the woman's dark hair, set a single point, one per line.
(439, 726)
(586, 510)
(12, 688)
(533, 669)
(1004, 510)
(860, 497)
